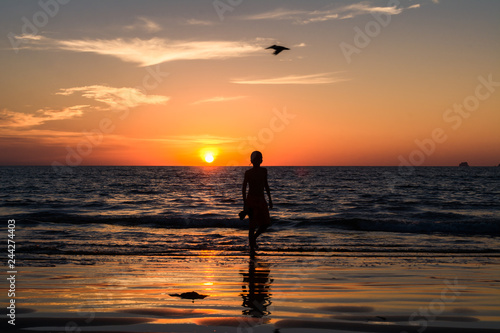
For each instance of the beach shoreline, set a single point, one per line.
(262, 294)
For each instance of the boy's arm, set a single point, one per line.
(244, 191)
(268, 190)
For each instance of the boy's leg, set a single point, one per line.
(260, 231)
(251, 237)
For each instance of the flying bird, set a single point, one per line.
(277, 49)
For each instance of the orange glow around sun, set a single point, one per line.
(209, 154)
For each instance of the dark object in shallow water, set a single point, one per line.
(192, 295)
(464, 164)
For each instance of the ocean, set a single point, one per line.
(422, 213)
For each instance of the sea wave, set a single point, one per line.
(465, 226)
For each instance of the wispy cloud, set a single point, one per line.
(66, 113)
(26, 38)
(115, 98)
(14, 119)
(199, 139)
(218, 99)
(345, 12)
(148, 52)
(10, 118)
(364, 8)
(143, 24)
(199, 22)
(321, 78)
(277, 14)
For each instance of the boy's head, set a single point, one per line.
(256, 158)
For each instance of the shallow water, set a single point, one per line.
(425, 212)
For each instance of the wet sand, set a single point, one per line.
(209, 291)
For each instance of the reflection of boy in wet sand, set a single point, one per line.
(256, 289)
(254, 204)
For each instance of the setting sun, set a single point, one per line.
(209, 154)
(209, 158)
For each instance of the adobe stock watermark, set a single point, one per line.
(292, 280)
(280, 120)
(88, 309)
(31, 27)
(437, 306)
(277, 124)
(363, 37)
(454, 118)
(85, 318)
(95, 137)
(223, 6)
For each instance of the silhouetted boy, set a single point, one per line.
(254, 204)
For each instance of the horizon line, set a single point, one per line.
(244, 166)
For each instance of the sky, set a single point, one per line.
(365, 83)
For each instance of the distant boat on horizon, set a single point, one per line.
(464, 164)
